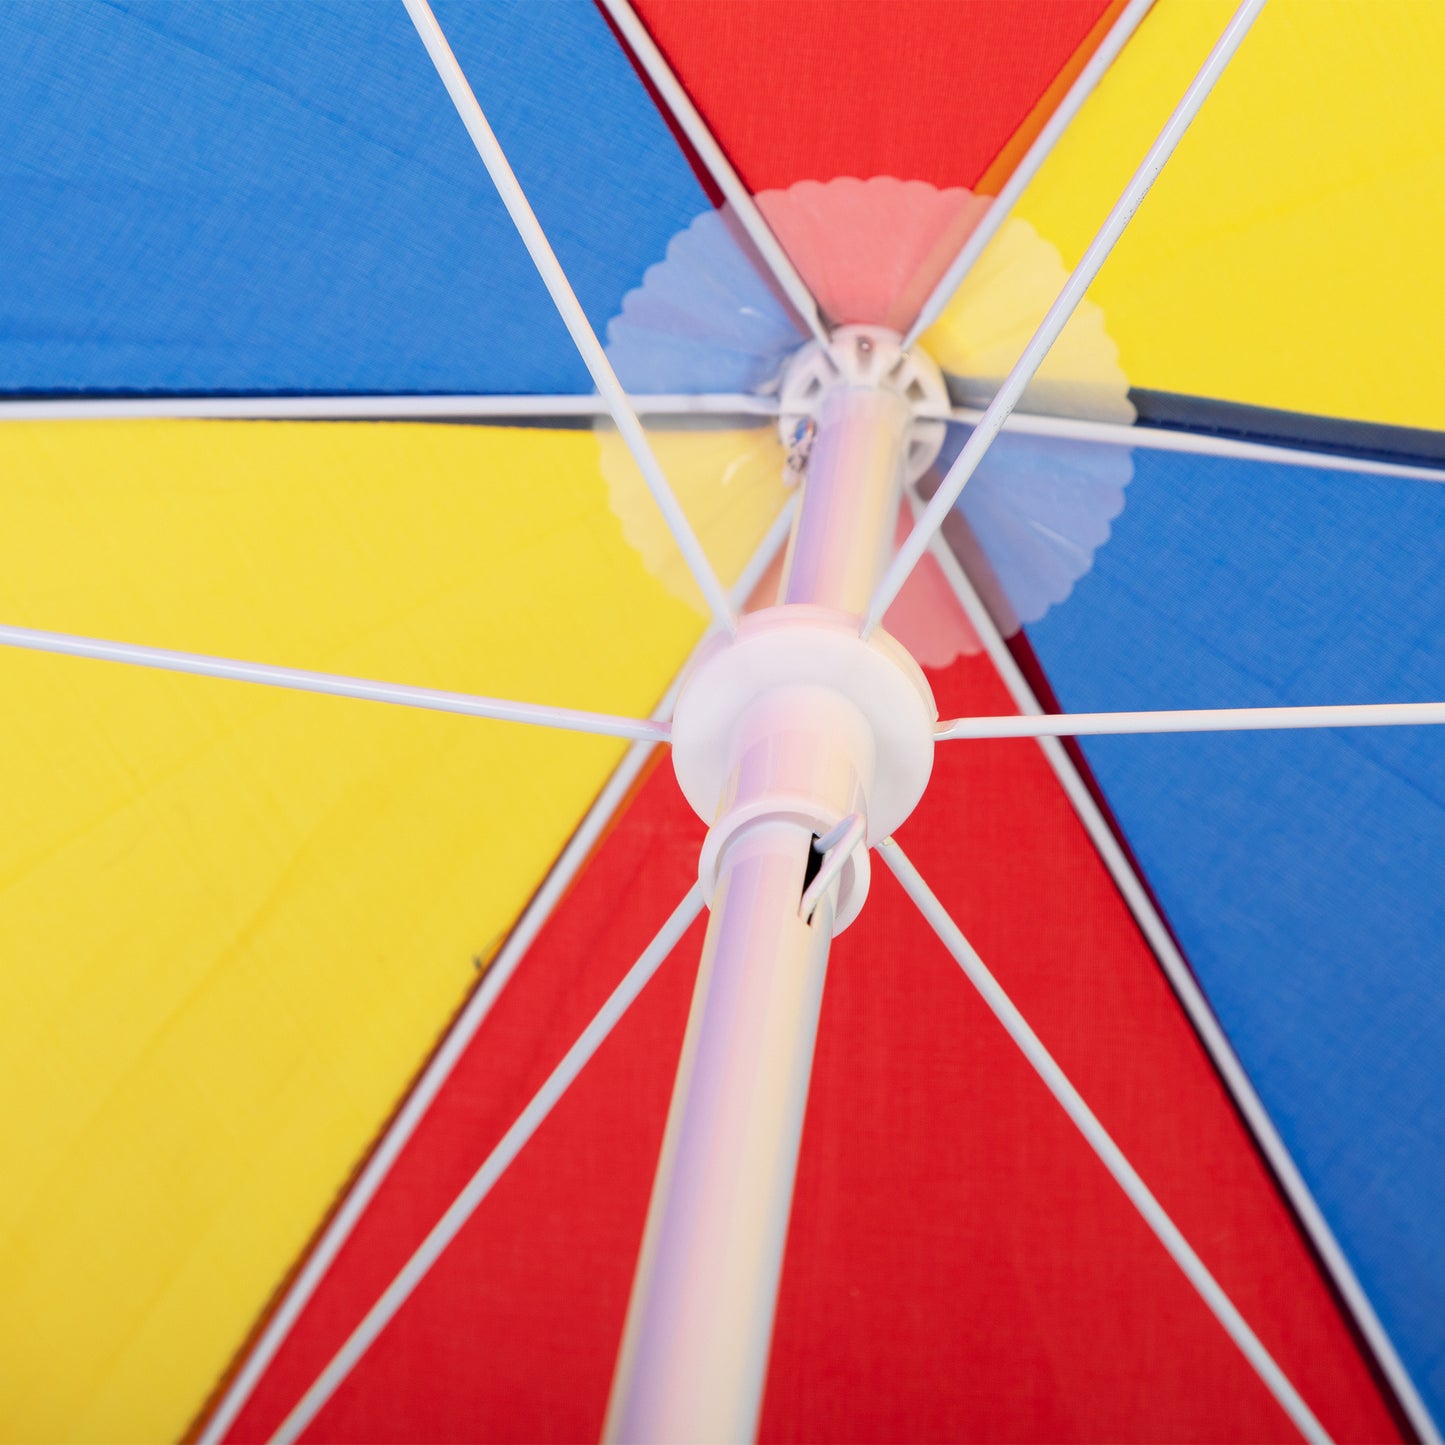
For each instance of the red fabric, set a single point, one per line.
(959, 1265)
(926, 90)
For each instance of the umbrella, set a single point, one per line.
(254, 264)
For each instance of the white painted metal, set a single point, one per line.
(1058, 314)
(800, 757)
(1196, 720)
(1196, 1006)
(1162, 439)
(844, 530)
(1103, 1145)
(603, 377)
(476, 1011)
(737, 195)
(836, 849)
(380, 408)
(1028, 167)
(298, 680)
(699, 1324)
(682, 406)
(480, 1185)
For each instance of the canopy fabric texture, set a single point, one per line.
(238, 925)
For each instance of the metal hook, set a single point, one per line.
(836, 847)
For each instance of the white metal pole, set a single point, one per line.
(843, 536)
(694, 1353)
(693, 1361)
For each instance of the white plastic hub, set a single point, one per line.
(796, 717)
(865, 356)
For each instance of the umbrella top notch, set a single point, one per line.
(863, 356)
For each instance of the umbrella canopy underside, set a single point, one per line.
(236, 923)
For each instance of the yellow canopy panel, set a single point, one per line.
(1288, 254)
(233, 920)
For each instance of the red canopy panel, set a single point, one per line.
(929, 90)
(959, 1265)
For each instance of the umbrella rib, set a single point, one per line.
(493, 1167)
(567, 719)
(458, 1038)
(1029, 166)
(1103, 1145)
(1191, 443)
(1063, 307)
(1186, 988)
(604, 378)
(835, 848)
(381, 407)
(1195, 720)
(699, 134)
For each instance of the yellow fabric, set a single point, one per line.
(996, 311)
(1288, 255)
(728, 482)
(233, 920)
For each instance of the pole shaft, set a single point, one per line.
(694, 1355)
(843, 536)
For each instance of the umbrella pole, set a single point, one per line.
(695, 1348)
(796, 763)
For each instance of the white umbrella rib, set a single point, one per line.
(1195, 720)
(522, 407)
(1192, 443)
(330, 684)
(493, 1167)
(629, 426)
(1064, 305)
(696, 129)
(1103, 1145)
(1029, 166)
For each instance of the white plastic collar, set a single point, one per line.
(863, 356)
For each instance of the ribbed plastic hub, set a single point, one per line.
(796, 717)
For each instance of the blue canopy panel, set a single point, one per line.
(211, 196)
(1304, 873)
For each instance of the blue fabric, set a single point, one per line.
(704, 319)
(209, 196)
(1304, 873)
(1039, 507)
